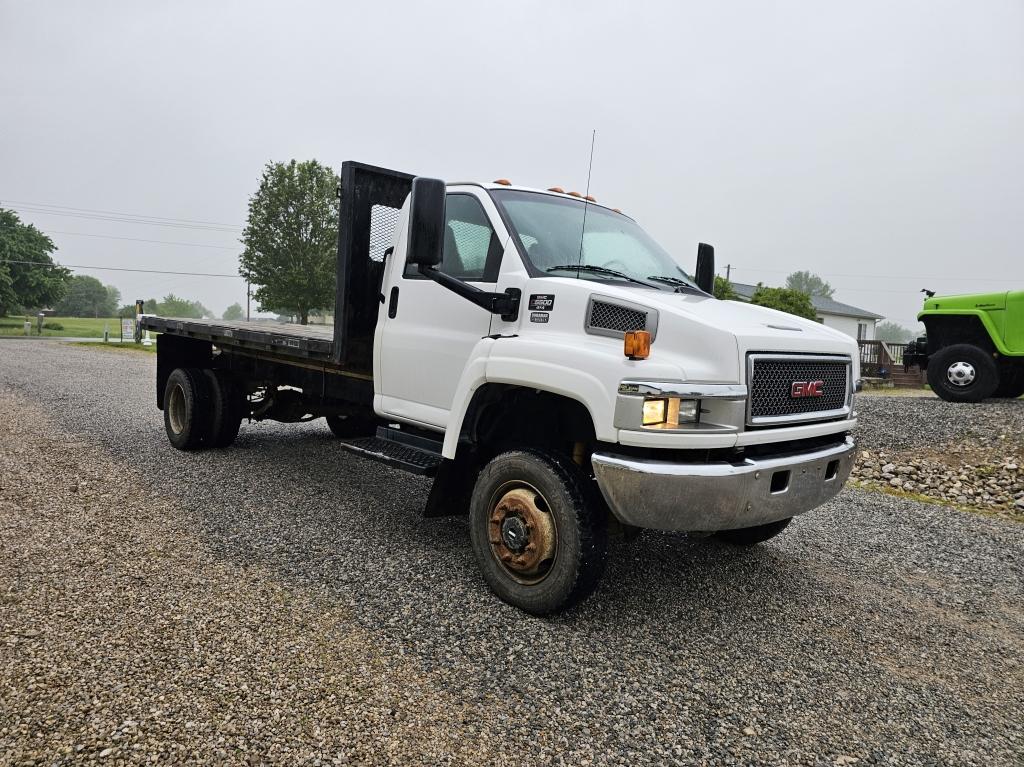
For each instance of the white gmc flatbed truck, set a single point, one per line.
(556, 372)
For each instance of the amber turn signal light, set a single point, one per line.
(637, 344)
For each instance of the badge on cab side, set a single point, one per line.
(542, 302)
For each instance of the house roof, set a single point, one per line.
(820, 303)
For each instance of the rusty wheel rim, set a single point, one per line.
(521, 531)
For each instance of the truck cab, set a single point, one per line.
(559, 374)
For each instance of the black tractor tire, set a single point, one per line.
(1011, 381)
(187, 408)
(749, 536)
(963, 373)
(347, 426)
(552, 501)
(227, 408)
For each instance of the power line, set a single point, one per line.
(122, 213)
(121, 220)
(138, 239)
(119, 269)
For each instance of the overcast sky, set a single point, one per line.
(880, 144)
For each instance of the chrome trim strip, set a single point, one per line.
(630, 387)
(818, 415)
(664, 495)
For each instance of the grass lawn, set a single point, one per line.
(74, 327)
(125, 348)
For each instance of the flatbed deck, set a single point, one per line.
(301, 341)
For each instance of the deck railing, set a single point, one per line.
(879, 359)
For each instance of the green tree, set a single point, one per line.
(233, 312)
(786, 300)
(37, 284)
(893, 332)
(290, 238)
(172, 306)
(724, 290)
(113, 296)
(88, 297)
(809, 283)
(150, 306)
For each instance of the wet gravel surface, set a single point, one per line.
(282, 602)
(901, 423)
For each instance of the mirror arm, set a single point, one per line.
(506, 304)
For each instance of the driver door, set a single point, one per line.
(428, 332)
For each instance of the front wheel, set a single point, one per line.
(749, 536)
(963, 373)
(539, 539)
(1011, 381)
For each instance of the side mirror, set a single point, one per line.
(426, 222)
(705, 277)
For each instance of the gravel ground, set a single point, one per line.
(282, 602)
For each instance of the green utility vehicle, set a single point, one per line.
(974, 347)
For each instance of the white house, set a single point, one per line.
(856, 323)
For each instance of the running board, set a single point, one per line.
(414, 454)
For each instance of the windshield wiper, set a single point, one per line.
(597, 270)
(681, 285)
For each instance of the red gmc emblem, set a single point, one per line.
(801, 389)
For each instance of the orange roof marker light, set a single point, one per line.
(637, 344)
(590, 198)
(574, 194)
(503, 181)
(616, 210)
(556, 189)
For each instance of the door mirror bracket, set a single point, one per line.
(505, 304)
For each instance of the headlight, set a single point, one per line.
(669, 412)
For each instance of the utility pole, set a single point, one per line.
(248, 296)
(728, 271)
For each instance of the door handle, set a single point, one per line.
(393, 303)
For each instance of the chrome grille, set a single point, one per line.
(771, 379)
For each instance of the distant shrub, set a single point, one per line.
(53, 326)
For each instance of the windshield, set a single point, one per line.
(613, 247)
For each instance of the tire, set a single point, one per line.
(749, 536)
(1011, 381)
(346, 426)
(226, 408)
(187, 408)
(963, 373)
(552, 501)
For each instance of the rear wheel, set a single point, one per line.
(186, 408)
(539, 539)
(749, 536)
(226, 408)
(963, 373)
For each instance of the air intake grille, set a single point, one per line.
(772, 387)
(614, 317)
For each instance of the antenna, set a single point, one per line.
(586, 202)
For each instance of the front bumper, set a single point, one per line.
(662, 495)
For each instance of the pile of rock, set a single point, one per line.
(990, 482)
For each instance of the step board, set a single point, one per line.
(396, 454)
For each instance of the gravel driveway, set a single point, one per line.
(282, 602)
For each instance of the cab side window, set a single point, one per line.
(472, 251)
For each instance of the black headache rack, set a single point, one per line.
(371, 201)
